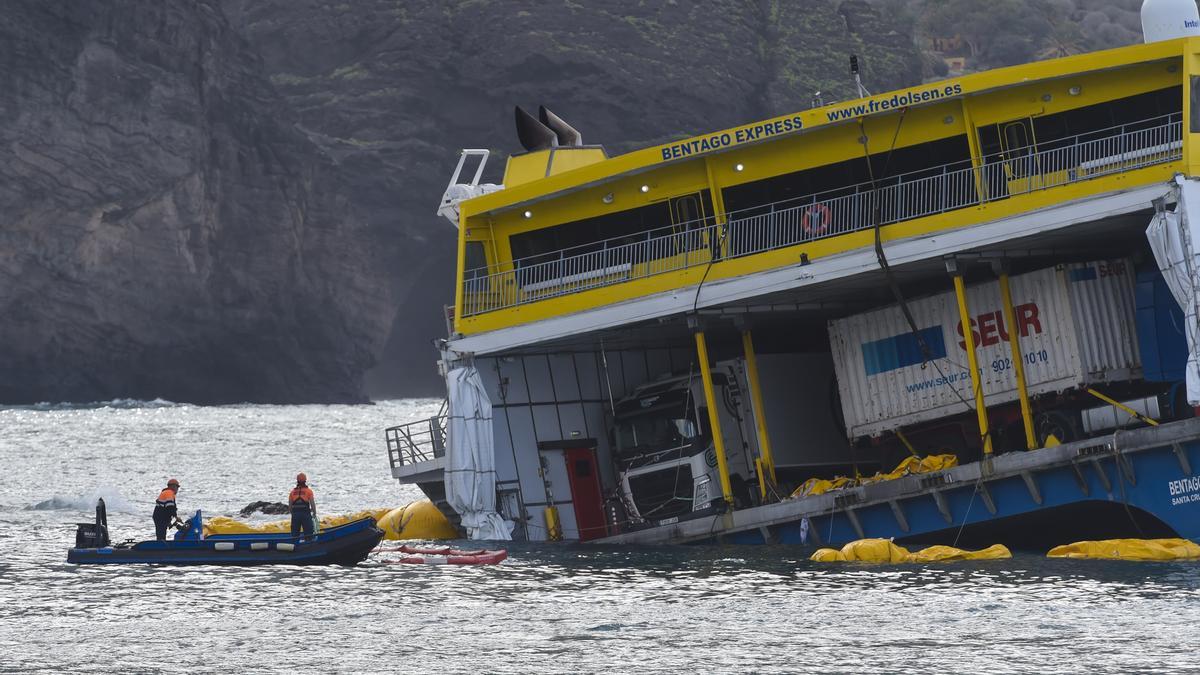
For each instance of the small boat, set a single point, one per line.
(444, 555)
(346, 544)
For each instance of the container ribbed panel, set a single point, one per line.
(1076, 324)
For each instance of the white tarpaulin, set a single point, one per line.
(470, 473)
(1173, 237)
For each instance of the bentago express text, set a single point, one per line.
(794, 123)
(725, 139)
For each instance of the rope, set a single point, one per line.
(968, 513)
(1118, 459)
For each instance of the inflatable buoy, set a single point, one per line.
(445, 556)
(910, 466)
(417, 520)
(1129, 549)
(816, 220)
(225, 525)
(886, 551)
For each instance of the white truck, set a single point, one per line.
(663, 448)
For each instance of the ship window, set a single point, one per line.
(1014, 142)
(607, 242)
(583, 468)
(476, 261)
(1017, 149)
(888, 167)
(685, 210)
(1194, 92)
(588, 245)
(1105, 119)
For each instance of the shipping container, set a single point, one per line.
(1076, 326)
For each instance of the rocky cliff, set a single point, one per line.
(165, 231)
(215, 200)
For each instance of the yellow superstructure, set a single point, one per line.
(573, 230)
(531, 166)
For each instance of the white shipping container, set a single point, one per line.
(1076, 327)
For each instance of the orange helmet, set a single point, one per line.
(172, 483)
(301, 478)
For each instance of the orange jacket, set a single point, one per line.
(301, 498)
(165, 504)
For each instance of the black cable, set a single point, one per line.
(881, 257)
(1118, 461)
(712, 258)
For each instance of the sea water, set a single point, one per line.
(548, 608)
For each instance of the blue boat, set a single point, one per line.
(347, 544)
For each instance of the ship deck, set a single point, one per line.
(1131, 470)
(1086, 228)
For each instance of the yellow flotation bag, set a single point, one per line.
(417, 520)
(915, 465)
(819, 486)
(1129, 549)
(950, 554)
(864, 550)
(910, 466)
(887, 551)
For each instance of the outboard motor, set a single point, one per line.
(192, 528)
(94, 535)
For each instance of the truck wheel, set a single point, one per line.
(1061, 425)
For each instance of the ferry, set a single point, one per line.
(961, 312)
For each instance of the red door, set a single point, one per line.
(585, 493)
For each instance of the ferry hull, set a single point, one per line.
(1147, 487)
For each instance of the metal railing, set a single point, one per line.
(416, 442)
(827, 214)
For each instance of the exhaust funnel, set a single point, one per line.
(567, 134)
(533, 134)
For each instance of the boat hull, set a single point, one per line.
(1140, 483)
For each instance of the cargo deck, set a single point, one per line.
(1137, 483)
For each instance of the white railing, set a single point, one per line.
(828, 214)
(416, 442)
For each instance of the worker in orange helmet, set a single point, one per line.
(166, 511)
(303, 506)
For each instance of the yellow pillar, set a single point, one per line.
(760, 412)
(460, 271)
(976, 152)
(1014, 343)
(1191, 141)
(718, 202)
(960, 290)
(714, 422)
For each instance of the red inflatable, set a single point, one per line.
(445, 555)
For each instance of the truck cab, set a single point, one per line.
(664, 452)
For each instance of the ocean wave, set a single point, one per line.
(116, 403)
(113, 502)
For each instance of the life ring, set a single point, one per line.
(816, 219)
